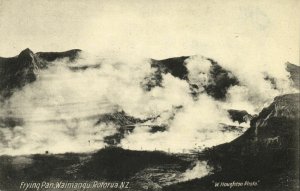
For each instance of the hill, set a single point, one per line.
(267, 153)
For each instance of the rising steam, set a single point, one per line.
(60, 109)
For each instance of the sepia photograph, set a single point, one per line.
(149, 95)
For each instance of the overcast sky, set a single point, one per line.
(157, 29)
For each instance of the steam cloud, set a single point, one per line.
(201, 169)
(59, 110)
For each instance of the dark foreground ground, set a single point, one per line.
(143, 170)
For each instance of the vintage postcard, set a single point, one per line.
(140, 95)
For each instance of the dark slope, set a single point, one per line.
(241, 116)
(219, 78)
(52, 56)
(26, 65)
(109, 164)
(267, 152)
(294, 71)
(15, 72)
(175, 66)
(219, 81)
(119, 164)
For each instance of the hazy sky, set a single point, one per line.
(159, 29)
